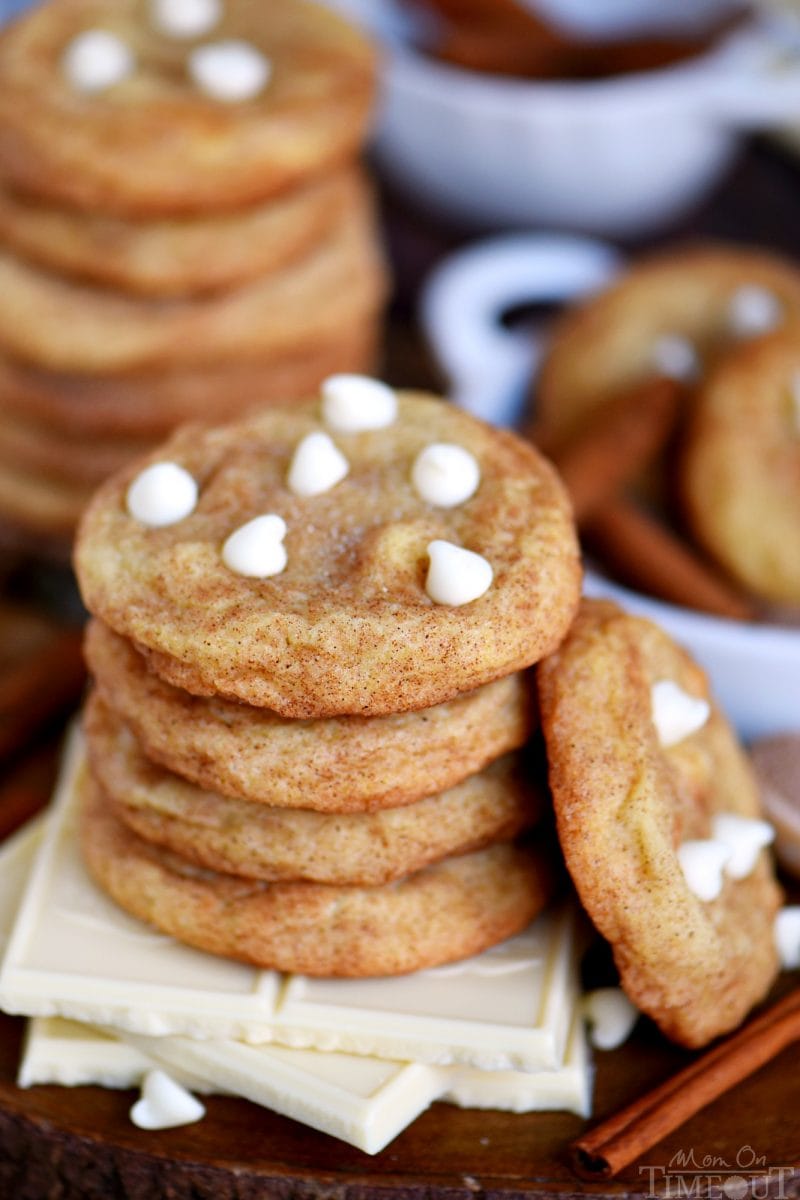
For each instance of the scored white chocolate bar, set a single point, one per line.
(362, 1100)
(74, 953)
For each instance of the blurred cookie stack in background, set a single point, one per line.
(185, 231)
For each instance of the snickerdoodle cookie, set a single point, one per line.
(150, 403)
(176, 256)
(55, 322)
(453, 909)
(658, 818)
(338, 765)
(740, 469)
(99, 101)
(261, 842)
(306, 561)
(668, 314)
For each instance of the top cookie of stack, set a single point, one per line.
(323, 614)
(184, 229)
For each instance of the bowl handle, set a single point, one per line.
(462, 302)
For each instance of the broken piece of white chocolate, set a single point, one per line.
(787, 936)
(445, 475)
(610, 1016)
(164, 1103)
(317, 465)
(675, 357)
(256, 548)
(230, 71)
(745, 838)
(675, 713)
(356, 403)
(753, 310)
(162, 494)
(703, 865)
(456, 576)
(97, 59)
(185, 18)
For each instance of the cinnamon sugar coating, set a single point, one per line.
(456, 908)
(347, 627)
(337, 765)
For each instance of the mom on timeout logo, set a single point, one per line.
(691, 1175)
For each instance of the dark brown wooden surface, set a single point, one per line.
(77, 1144)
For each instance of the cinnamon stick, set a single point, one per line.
(615, 1143)
(613, 446)
(616, 442)
(645, 554)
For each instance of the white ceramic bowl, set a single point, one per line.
(754, 669)
(619, 156)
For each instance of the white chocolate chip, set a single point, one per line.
(456, 576)
(317, 466)
(787, 936)
(256, 548)
(356, 403)
(162, 494)
(703, 863)
(445, 475)
(675, 357)
(745, 838)
(185, 18)
(753, 310)
(96, 60)
(610, 1015)
(229, 71)
(165, 1104)
(676, 714)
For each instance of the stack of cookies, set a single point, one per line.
(309, 642)
(184, 229)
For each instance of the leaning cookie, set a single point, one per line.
(338, 765)
(740, 469)
(658, 818)
(668, 315)
(451, 910)
(238, 837)
(365, 553)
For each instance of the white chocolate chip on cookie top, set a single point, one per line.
(97, 59)
(744, 838)
(356, 403)
(185, 18)
(317, 465)
(753, 310)
(256, 548)
(162, 494)
(456, 576)
(231, 71)
(703, 861)
(676, 714)
(445, 475)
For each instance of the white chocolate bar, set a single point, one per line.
(361, 1100)
(16, 856)
(74, 953)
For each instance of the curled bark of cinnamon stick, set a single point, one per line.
(614, 445)
(643, 553)
(615, 1143)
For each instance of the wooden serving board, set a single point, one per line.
(78, 1144)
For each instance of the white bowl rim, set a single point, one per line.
(411, 68)
(717, 629)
